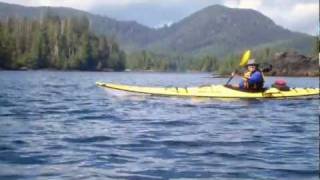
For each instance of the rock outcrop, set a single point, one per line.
(292, 63)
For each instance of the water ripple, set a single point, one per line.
(59, 125)
(88, 139)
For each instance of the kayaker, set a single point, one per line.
(252, 78)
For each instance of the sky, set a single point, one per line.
(295, 15)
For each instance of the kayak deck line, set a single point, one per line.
(213, 91)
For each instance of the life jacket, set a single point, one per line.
(254, 86)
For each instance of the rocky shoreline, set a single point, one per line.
(291, 63)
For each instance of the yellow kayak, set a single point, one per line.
(213, 91)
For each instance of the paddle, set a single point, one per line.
(244, 60)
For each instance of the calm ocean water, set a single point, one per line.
(59, 125)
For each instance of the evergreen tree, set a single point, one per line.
(56, 43)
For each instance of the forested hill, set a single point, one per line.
(56, 43)
(126, 32)
(215, 30)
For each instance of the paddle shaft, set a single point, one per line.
(229, 80)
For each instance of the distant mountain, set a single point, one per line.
(214, 30)
(222, 30)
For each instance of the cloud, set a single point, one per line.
(304, 11)
(87, 4)
(231, 3)
(250, 4)
(83, 5)
(244, 4)
(296, 15)
(300, 16)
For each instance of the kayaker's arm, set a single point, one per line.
(255, 78)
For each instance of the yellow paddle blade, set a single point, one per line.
(245, 58)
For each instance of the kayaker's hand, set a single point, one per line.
(233, 73)
(247, 75)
